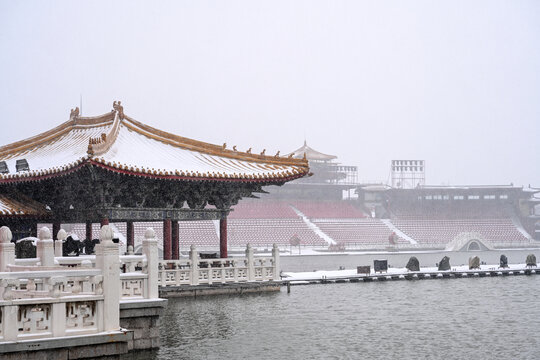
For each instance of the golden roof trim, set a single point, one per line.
(101, 145)
(10, 150)
(207, 148)
(25, 206)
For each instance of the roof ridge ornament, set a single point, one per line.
(100, 145)
(74, 114)
(117, 106)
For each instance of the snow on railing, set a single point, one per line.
(196, 271)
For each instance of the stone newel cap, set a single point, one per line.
(62, 235)
(149, 233)
(5, 234)
(44, 234)
(106, 234)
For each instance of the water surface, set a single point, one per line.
(469, 318)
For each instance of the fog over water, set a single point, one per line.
(455, 83)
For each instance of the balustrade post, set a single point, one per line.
(194, 257)
(58, 315)
(10, 312)
(162, 275)
(250, 265)
(150, 250)
(275, 255)
(9, 322)
(262, 265)
(235, 270)
(45, 247)
(7, 249)
(60, 238)
(222, 274)
(107, 259)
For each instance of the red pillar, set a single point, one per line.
(104, 221)
(89, 230)
(175, 241)
(167, 227)
(130, 234)
(55, 229)
(223, 237)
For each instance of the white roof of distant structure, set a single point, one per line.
(119, 143)
(311, 154)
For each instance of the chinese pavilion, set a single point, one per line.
(112, 168)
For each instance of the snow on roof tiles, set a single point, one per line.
(121, 143)
(10, 206)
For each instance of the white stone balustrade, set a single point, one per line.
(48, 296)
(42, 304)
(196, 271)
(48, 300)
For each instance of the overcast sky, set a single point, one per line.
(455, 83)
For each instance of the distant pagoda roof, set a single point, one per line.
(118, 143)
(311, 154)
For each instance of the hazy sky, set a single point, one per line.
(456, 83)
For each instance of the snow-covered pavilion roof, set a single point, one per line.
(10, 206)
(119, 143)
(311, 154)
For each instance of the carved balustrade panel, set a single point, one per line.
(132, 288)
(258, 273)
(34, 285)
(215, 275)
(133, 263)
(183, 276)
(241, 274)
(204, 275)
(170, 277)
(81, 316)
(34, 319)
(229, 274)
(269, 272)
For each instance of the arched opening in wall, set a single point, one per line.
(473, 246)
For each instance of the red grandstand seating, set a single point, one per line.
(464, 209)
(443, 231)
(259, 209)
(357, 231)
(270, 231)
(439, 222)
(328, 209)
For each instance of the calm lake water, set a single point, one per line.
(469, 318)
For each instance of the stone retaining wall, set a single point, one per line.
(143, 319)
